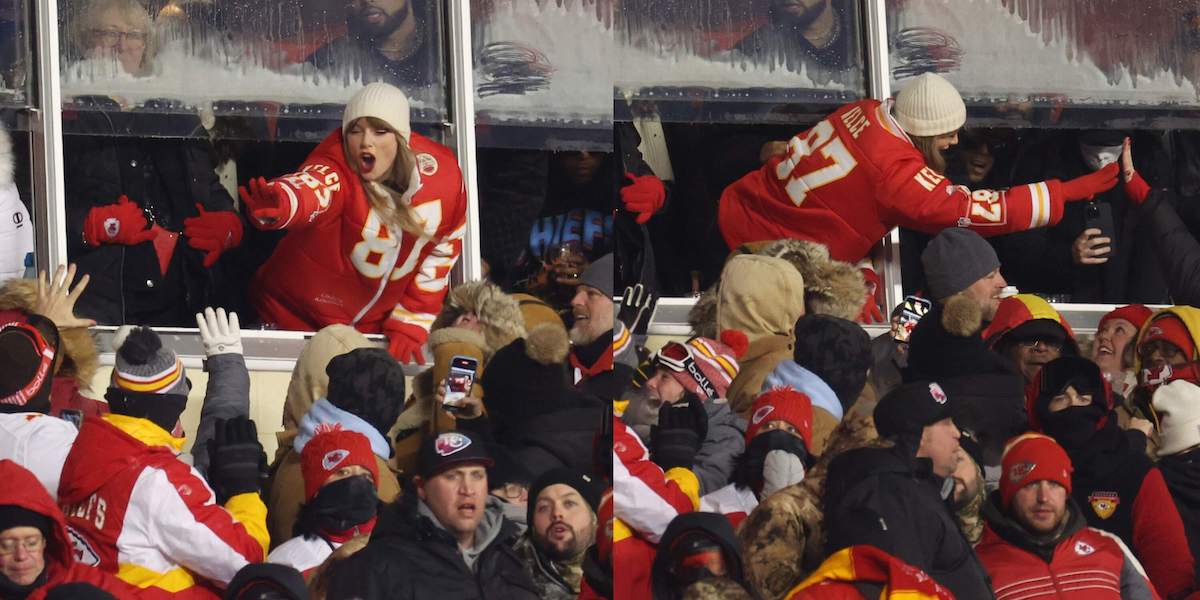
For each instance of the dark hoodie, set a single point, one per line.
(410, 556)
(22, 489)
(1117, 487)
(1182, 474)
(888, 498)
(717, 528)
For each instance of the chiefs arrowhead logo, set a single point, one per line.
(1104, 503)
(450, 443)
(112, 226)
(1018, 471)
(761, 414)
(1083, 549)
(935, 391)
(427, 164)
(82, 549)
(333, 458)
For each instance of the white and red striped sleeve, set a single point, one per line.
(643, 497)
(314, 192)
(173, 510)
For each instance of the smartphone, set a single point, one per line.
(1098, 215)
(459, 381)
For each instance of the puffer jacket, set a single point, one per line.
(165, 176)
(22, 490)
(412, 557)
(1079, 562)
(783, 539)
(761, 296)
(136, 510)
(867, 572)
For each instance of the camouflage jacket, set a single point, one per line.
(554, 580)
(782, 540)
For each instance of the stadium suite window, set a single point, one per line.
(176, 103)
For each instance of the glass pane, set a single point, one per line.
(15, 57)
(17, 231)
(741, 59)
(1030, 61)
(291, 62)
(543, 72)
(544, 216)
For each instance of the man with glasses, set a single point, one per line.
(1028, 331)
(35, 549)
(386, 40)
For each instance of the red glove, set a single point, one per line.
(120, 223)
(644, 196)
(1086, 186)
(266, 204)
(1137, 189)
(405, 340)
(213, 232)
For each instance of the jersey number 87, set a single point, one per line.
(821, 138)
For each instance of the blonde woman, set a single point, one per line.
(120, 31)
(375, 219)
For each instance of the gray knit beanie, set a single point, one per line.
(954, 260)
(599, 275)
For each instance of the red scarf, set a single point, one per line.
(341, 537)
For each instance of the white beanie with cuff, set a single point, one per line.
(929, 106)
(381, 101)
(1178, 407)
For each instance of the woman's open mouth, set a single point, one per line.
(368, 162)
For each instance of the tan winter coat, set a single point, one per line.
(763, 297)
(782, 539)
(309, 382)
(286, 492)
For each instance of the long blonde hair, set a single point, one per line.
(387, 195)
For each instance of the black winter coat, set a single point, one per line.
(887, 498)
(1176, 248)
(411, 558)
(104, 158)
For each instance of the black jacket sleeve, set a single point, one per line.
(1178, 250)
(879, 513)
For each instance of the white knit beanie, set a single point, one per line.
(382, 101)
(1178, 407)
(930, 106)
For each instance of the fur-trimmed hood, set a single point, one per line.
(831, 287)
(81, 358)
(499, 313)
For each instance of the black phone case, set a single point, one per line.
(1098, 215)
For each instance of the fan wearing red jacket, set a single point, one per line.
(375, 219)
(862, 171)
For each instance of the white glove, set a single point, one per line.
(781, 469)
(219, 334)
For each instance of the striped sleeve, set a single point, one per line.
(919, 198)
(179, 516)
(312, 193)
(643, 497)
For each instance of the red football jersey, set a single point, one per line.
(340, 264)
(854, 176)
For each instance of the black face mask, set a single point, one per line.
(1072, 427)
(339, 506)
(749, 470)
